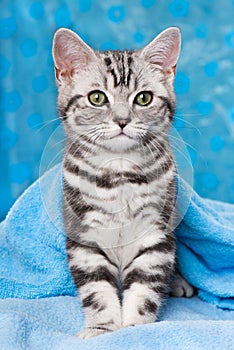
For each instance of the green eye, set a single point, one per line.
(97, 98)
(144, 98)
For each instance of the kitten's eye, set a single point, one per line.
(97, 98)
(144, 98)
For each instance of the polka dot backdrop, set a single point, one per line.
(204, 83)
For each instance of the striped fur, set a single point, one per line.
(119, 179)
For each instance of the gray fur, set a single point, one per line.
(119, 177)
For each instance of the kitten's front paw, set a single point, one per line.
(181, 288)
(92, 332)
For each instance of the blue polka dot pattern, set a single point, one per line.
(40, 84)
(182, 83)
(211, 68)
(116, 13)
(231, 115)
(36, 10)
(19, 172)
(85, 5)
(179, 8)
(35, 121)
(4, 66)
(204, 81)
(193, 155)
(204, 107)
(230, 39)
(201, 30)
(29, 48)
(209, 181)
(217, 143)
(11, 101)
(148, 3)
(8, 139)
(8, 27)
(62, 16)
(139, 37)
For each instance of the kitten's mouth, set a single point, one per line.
(121, 135)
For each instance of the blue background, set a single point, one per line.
(204, 83)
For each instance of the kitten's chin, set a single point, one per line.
(121, 143)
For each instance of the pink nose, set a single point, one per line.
(122, 122)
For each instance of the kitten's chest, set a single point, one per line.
(120, 201)
(121, 215)
(118, 186)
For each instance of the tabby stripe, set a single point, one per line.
(139, 276)
(146, 163)
(112, 71)
(123, 77)
(82, 277)
(72, 245)
(72, 180)
(129, 71)
(111, 322)
(147, 205)
(71, 167)
(150, 306)
(80, 209)
(107, 61)
(166, 246)
(88, 141)
(160, 290)
(63, 111)
(167, 212)
(77, 148)
(75, 151)
(167, 269)
(79, 206)
(107, 180)
(168, 209)
(168, 104)
(90, 301)
(111, 181)
(101, 328)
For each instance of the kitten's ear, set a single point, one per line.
(70, 54)
(164, 50)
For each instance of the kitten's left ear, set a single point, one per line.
(164, 50)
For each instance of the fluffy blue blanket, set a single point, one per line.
(51, 324)
(34, 265)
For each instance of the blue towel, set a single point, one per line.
(51, 324)
(32, 245)
(205, 247)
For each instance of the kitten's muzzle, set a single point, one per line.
(122, 122)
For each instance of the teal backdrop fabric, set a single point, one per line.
(204, 83)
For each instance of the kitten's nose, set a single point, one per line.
(122, 122)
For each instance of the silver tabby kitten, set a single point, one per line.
(119, 176)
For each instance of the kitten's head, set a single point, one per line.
(117, 99)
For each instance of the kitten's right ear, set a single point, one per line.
(70, 54)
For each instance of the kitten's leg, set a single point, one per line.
(96, 279)
(181, 288)
(145, 281)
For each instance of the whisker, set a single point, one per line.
(189, 123)
(44, 124)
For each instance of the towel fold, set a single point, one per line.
(33, 257)
(205, 247)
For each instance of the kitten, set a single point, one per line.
(119, 176)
